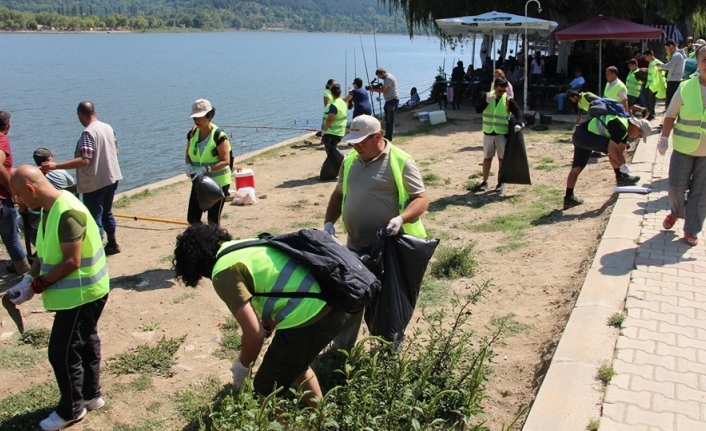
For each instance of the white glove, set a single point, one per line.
(625, 168)
(394, 226)
(517, 128)
(663, 145)
(240, 372)
(188, 170)
(329, 229)
(21, 292)
(199, 173)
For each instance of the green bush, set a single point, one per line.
(435, 382)
(455, 262)
(144, 359)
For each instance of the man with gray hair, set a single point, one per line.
(97, 171)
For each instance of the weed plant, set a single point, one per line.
(36, 337)
(605, 374)
(230, 340)
(144, 359)
(455, 262)
(617, 320)
(435, 381)
(24, 410)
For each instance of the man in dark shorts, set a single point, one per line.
(607, 134)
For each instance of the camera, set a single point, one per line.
(374, 84)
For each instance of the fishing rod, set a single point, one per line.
(367, 75)
(270, 128)
(377, 66)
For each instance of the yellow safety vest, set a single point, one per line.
(583, 103)
(599, 125)
(398, 158)
(338, 127)
(91, 280)
(691, 122)
(613, 92)
(208, 157)
(633, 85)
(274, 271)
(496, 117)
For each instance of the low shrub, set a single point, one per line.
(455, 262)
(144, 359)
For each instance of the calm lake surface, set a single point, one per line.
(143, 85)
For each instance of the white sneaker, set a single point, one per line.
(94, 404)
(55, 422)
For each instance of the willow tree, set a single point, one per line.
(420, 14)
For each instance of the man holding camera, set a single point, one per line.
(392, 98)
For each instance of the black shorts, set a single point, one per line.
(586, 143)
(294, 349)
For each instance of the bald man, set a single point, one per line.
(71, 274)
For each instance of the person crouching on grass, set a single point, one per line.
(302, 327)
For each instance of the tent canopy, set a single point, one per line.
(602, 27)
(495, 23)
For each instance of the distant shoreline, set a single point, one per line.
(179, 30)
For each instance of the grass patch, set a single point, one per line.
(617, 320)
(546, 167)
(471, 184)
(143, 359)
(433, 292)
(151, 424)
(36, 337)
(183, 298)
(593, 425)
(476, 175)
(150, 326)
(141, 383)
(20, 357)
(533, 213)
(127, 200)
(309, 224)
(435, 381)
(605, 373)
(225, 216)
(546, 160)
(167, 259)
(455, 262)
(431, 179)
(24, 410)
(230, 340)
(514, 241)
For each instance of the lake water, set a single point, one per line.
(143, 85)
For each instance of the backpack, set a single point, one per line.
(346, 284)
(604, 106)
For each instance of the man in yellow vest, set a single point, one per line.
(607, 134)
(633, 84)
(379, 186)
(615, 88)
(242, 279)
(656, 85)
(71, 274)
(496, 117)
(335, 121)
(583, 101)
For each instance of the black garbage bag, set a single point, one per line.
(515, 168)
(334, 159)
(208, 192)
(402, 260)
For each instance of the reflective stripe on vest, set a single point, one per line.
(338, 127)
(91, 280)
(614, 91)
(598, 127)
(274, 271)
(691, 122)
(633, 85)
(207, 158)
(397, 160)
(496, 117)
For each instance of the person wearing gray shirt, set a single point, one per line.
(391, 96)
(674, 68)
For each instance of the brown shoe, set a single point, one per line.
(111, 249)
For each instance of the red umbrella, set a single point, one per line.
(602, 27)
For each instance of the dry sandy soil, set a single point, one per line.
(536, 272)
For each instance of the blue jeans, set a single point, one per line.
(560, 100)
(9, 231)
(390, 108)
(100, 205)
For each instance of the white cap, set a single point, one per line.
(362, 126)
(200, 108)
(642, 124)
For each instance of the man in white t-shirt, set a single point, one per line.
(576, 84)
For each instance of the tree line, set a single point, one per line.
(141, 15)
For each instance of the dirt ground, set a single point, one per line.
(536, 273)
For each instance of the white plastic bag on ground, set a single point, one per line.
(244, 196)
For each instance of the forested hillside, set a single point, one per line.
(308, 15)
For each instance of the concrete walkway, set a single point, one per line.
(659, 355)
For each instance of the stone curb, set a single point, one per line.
(570, 395)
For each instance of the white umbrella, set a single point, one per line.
(496, 23)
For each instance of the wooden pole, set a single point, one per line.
(161, 220)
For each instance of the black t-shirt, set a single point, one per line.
(617, 131)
